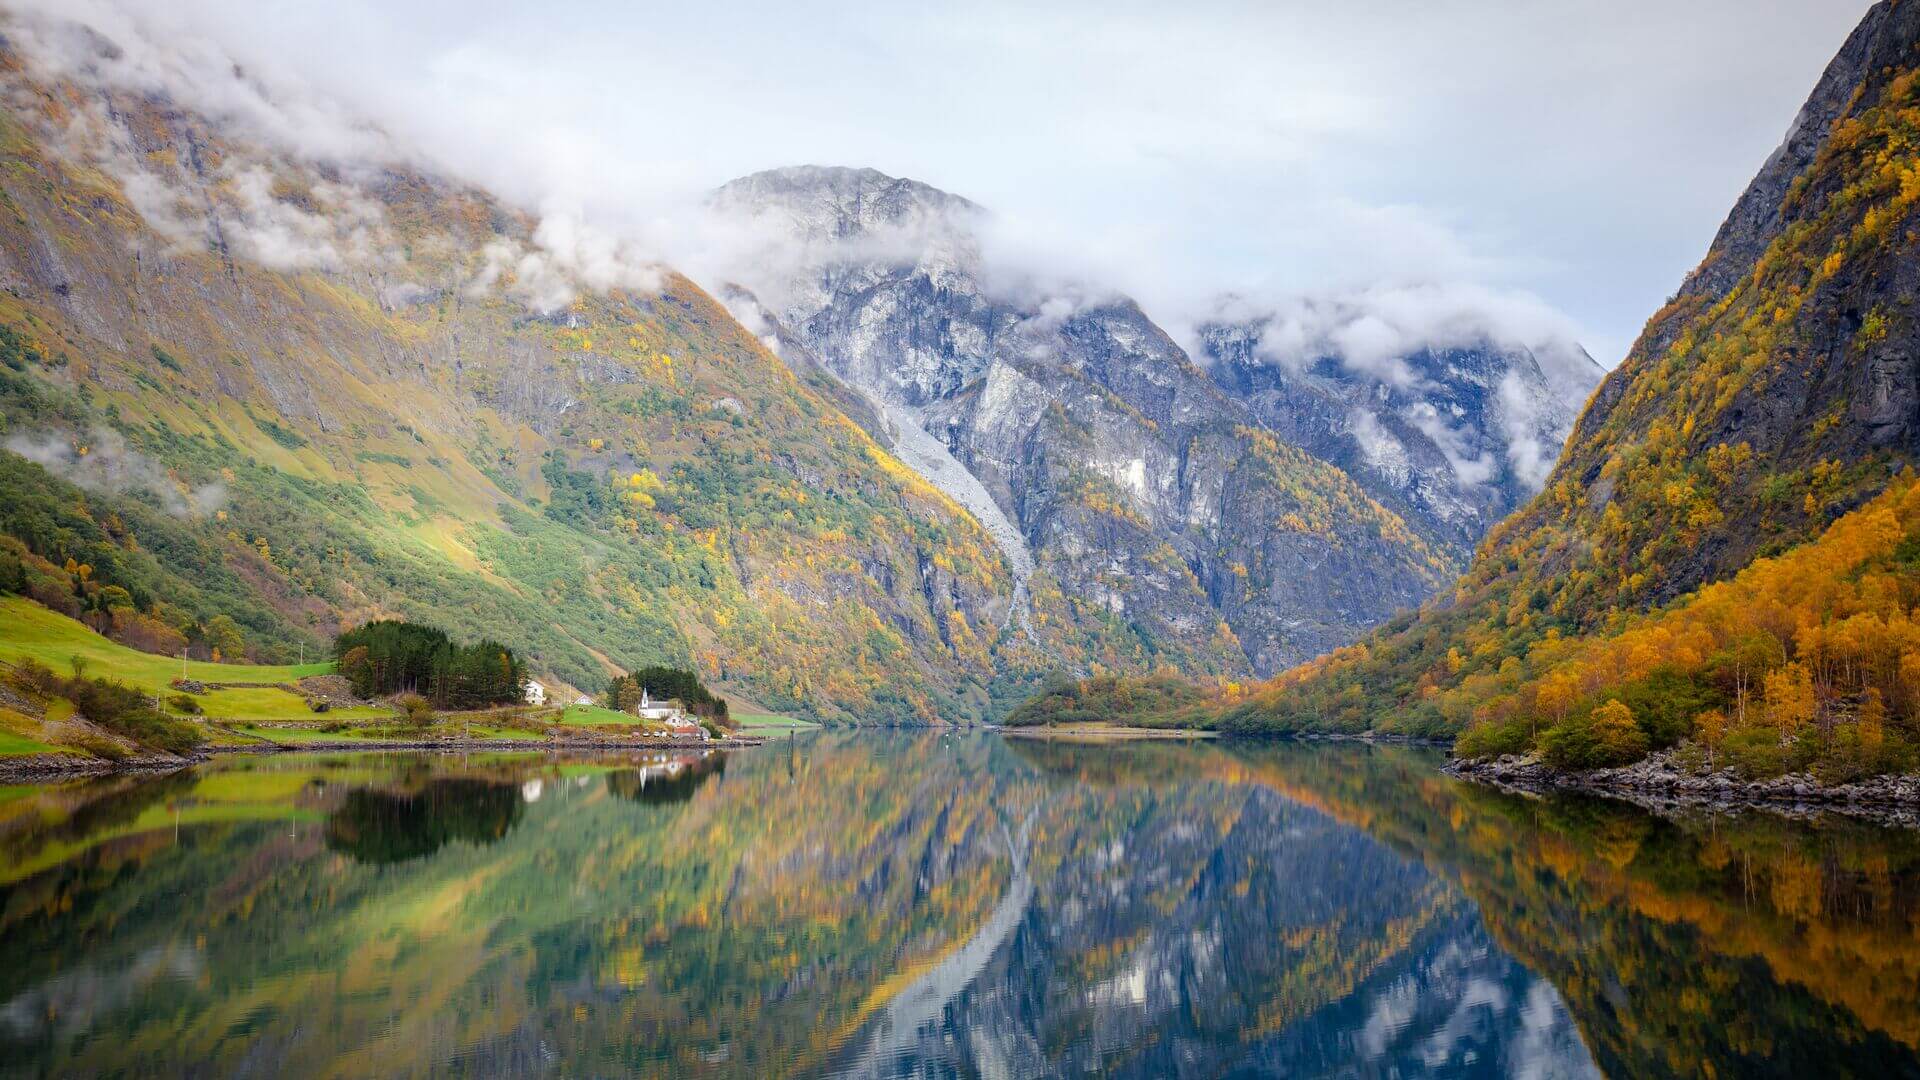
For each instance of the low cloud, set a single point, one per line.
(1383, 451)
(1371, 329)
(1536, 430)
(1472, 465)
(785, 234)
(288, 193)
(105, 45)
(102, 461)
(1289, 144)
(747, 311)
(347, 228)
(1373, 332)
(566, 257)
(755, 232)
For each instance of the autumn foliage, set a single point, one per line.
(1812, 657)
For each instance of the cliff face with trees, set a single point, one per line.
(1776, 395)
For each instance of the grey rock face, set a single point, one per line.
(1456, 439)
(1161, 508)
(1879, 44)
(1831, 393)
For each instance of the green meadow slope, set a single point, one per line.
(239, 385)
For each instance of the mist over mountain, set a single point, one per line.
(304, 391)
(1444, 418)
(1133, 476)
(1442, 404)
(1228, 491)
(414, 398)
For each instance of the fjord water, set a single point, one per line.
(936, 905)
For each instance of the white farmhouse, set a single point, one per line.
(536, 692)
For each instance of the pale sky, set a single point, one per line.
(1583, 151)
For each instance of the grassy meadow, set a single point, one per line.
(31, 632)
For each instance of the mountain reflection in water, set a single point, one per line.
(883, 905)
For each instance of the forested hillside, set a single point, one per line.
(1777, 392)
(252, 395)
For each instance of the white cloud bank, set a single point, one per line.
(1372, 330)
(1373, 333)
(264, 202)
(1581, 150)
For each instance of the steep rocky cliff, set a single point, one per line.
(1147, 495)
(1453, 434)
(1777, 391)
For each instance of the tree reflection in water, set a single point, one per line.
(379, 827)
(671, 779)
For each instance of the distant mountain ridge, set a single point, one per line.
(1454, 436)
(1065, 400)
(1142, 489)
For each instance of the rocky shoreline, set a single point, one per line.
(52, 768)
(1658, 783)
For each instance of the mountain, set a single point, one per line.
(1089, 442)
(1725, 552)
(300, 388)
(1453, 430)
(263, 364)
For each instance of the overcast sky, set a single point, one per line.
(1580, 150)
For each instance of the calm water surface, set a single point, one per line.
(936, 906)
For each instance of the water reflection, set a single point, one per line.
(936, 905)
(671, 779)
(378, 826)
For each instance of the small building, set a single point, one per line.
(536, 692)
(649, 709)
(583, 700)
(686, 727)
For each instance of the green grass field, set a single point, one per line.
(19, 735)
(298, 736)
(314, 736)
(12, 745)
(385, 733)
(594, 716)
(29, 631)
